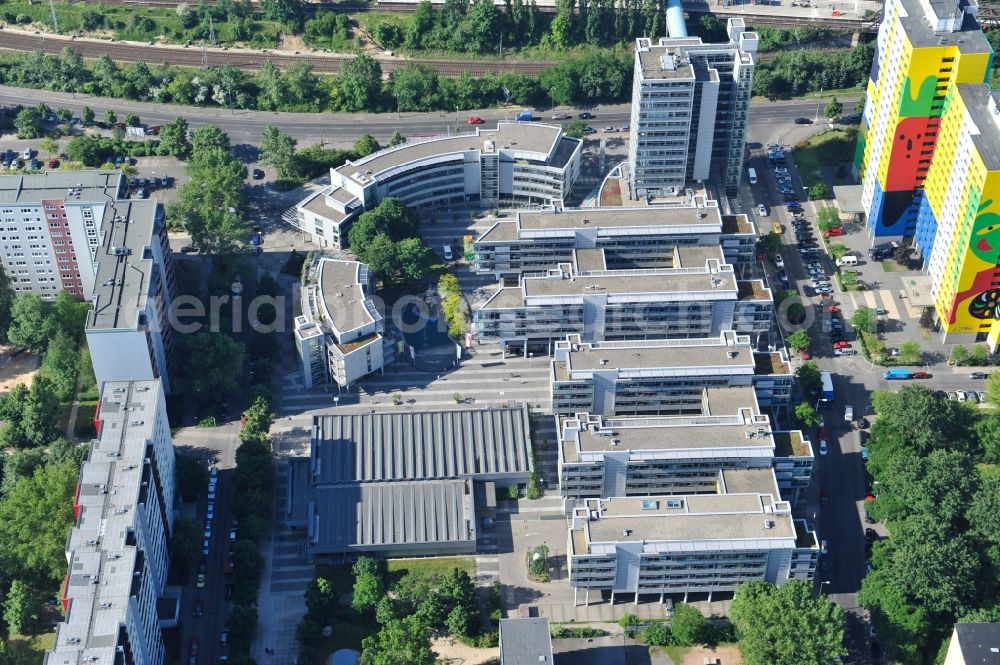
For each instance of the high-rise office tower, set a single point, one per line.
(924, 49)
(690, 103)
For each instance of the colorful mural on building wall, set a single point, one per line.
(979, 299)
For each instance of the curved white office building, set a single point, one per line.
(516, 164)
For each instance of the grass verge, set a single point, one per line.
(826, 148)
(29, 649)
(83, 426)
(435, 567)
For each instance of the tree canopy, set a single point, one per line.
(787, 625)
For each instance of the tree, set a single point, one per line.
(191, 476)
(322, 598)
(204, 139)
(132, 120)
(85, 150)
(390, 218)
(257, 420)
(41, 411)
(864, 318)
(12, 413)
(61, 365)
(770, 244)
(992, 388)
(938, 485)
(277, 149)
(248, 565)
(859, 106)
(807, 415)
(242, 624)
(30, 325)
(799, 340)
(48, 146)
(35, 517)
(413, 259)
(68, 316)
(658, 635)
(787, 625)
(809, 377)
(110, 117)
(688, 625)
(366, 145)
(87, 115)
(833, 109)
(20, 609)
(212, 364)
(903, 625)
(367, 585)
(404, 640)
(6, 304)
(914, 421)
(909, 353)
(818, 190)
(360, 83)
(174, 138)
(381, 257)
(396, 138)
(26, 123)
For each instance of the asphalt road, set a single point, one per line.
(248, 126)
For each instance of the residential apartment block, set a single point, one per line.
(682, 544)
(630, 238)
(924, 49)
(50, 229)
(404, 483)
(958, 222)
(665, 377)
(117, 550)
(701, 297)
(516, 164)
(690, 104)
(129, 329)
(339, 336)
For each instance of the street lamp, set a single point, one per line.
(336, 402)
(822, 584)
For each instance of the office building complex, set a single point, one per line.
(925, 48)
(49, 228)
(701, 543)
(701, 297)
(666, 377)
(118, 547)
(690, 104)
(628, 456)
(631, 238)
(129, 328)
(525, 641)
(515, 164)
(405, 484)
(339, 334)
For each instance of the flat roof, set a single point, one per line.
(651, 62)
(317, 205)
(982, 105)
(345, 303)
(422, 445)
(978, 642)
(702, 217)
(631, 282)
(508, 136)
(71, 186)
(922, 33)
(728, 350)
(742, 511)
(526, 641)
(589, 259)
(110, 488)
(370, 515)
(125, 269)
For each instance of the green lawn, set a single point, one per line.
(345, 636)
(435, 567)
(827, 148)
(29, 650)
(83, 428)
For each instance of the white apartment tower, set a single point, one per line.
(690, 104)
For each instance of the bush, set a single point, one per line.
(658, 635)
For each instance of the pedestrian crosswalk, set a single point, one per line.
(880, 299)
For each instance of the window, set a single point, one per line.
(675, 503)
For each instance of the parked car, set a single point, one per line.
(762, 210)
(778, 261)
(194, 646)
(585, 116)
(834, 232)
(823, 450)
(258, 174)
(961, 396)
(920, 375)
(803, 121)
(561, 116)
(475, 120)
(609, 129)
(978, 375)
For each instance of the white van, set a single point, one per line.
(752, 175)
(447, 253)
(848, 260)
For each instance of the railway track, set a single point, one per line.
(240, 58)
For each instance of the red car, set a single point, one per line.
(228, 568)
(841, 344)
(53, 163)
(194, 646)
(805, 354)
(835, 231)
(831, 309)
(475, 120)
(920, 375)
